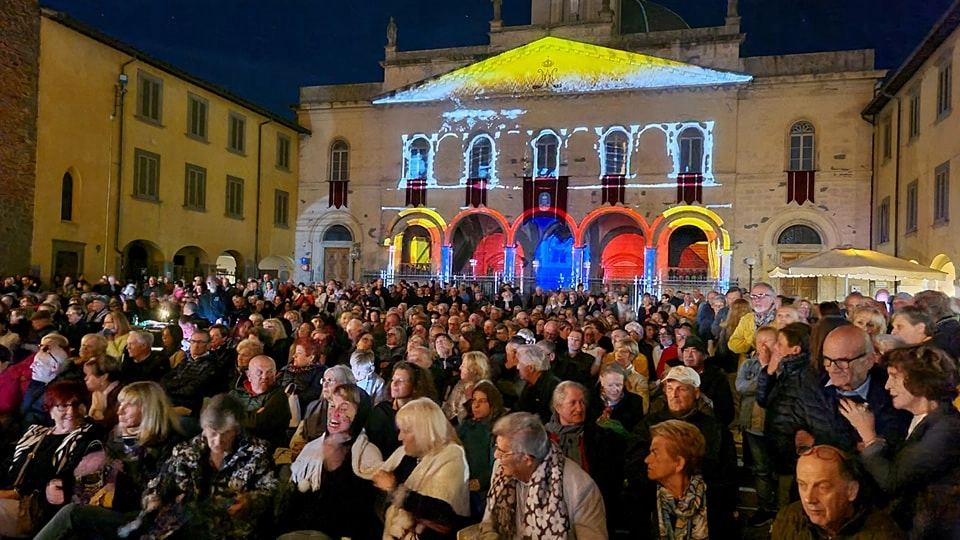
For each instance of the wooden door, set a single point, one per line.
(803, 287)
(67, 264)
(336, 264)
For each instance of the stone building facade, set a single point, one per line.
(19, 74)
(570, 149)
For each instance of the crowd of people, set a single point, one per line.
(267, 409)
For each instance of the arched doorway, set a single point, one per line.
(795, 242)
(415, 251)
(622, 257)
(142, 258)
(336, 263)
(230, 266)
(688, 255)
(481, 238)
(190, 261)
(278, 267)
(551, 243)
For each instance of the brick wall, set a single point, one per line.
(19, 73)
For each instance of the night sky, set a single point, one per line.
(265, 50)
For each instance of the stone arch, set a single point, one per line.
(190, 261)
(423, 217)
(142, 258)
(277, 266)
(497, 216)
(597, 214)
(711, 224)
(816, 220)
(230, 264)
(474, 234)
(944, 264)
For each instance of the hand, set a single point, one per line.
(763, 353)
(151, 503)
(803, 439)
(55, 492)
(474, 484)
(775, 358)
(385, 481)
(239, 504)
(860, 417)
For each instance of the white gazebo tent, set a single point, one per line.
(850, 263)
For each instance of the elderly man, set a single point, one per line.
(536, 492)
(763, 298)
(394, 349)
(574, 364)
(194, 378)
(266, 408)
(96, 311)
(507, 375)
(76, 327)
(140, 362)
(946, 334)
(681, 386)
(713, 381)
(537, 394)
(831, 504)
(850, 361)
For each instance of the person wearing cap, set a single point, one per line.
(901, 299)
(96, 311)
(713, 381)
(681, 385)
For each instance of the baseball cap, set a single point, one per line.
(696, 343)
(683, 374)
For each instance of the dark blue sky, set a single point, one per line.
(265, 50)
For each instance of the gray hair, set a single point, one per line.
(222, 413)
(361, 358)
(141, 337)
(560, 392)
(526, 434)
(533, 356)
(341, 374)
(765, 285)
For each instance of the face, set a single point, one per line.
(480, 405)
(329, 383)
(912, 334)
(216, 339)
(837, 349)
(902, 398)
(444, 347)
(681, 397)
(666, 339)
(786, 316)
(612, 384)
(574, 341)
(340, 416)
(73, 316)
(68, 415)
(261, 375)
(300, 357)
(129, 414)
(693, 357)
(94, 383)
(826, 496)
(852, 303)
(409, 440)
(660, 464)
(108, 323)
(136, 349)
(220, 442)
(623, 356)
(783, 346)
(199, 344)
(572, 410)
(365, 343)
(166, 338)
(512, 465)
(87, 349)
(401, 385)
(762, 299)
(803, 310)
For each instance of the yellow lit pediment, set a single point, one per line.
(553, 65)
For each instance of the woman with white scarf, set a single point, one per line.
(426, 478)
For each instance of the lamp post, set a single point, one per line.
(750, 261)
(586, 275)
(473, 267)
(536, 266)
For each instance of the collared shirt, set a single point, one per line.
(861, 391)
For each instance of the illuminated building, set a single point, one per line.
(605, 139)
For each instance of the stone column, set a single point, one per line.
(446, 263)
(509, 263)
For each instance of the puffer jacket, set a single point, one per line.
(779, 395)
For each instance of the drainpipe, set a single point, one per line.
(122, 90)
(256, 234)
(896, 180)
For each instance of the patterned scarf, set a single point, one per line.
(685, 519)
(545, 513)
(763, 319)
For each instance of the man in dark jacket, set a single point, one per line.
(713, 381)
(195, 377)
(140, 362)
(537, 395)
(267, 410)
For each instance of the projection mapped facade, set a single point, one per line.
(566, 149)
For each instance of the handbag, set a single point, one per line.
(28, 512)
(96, 478)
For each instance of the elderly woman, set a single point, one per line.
(215, 485)
(913, 325)
(676, 450)
(476, 434)
(426, 478)
(246, 350)
(329, 495)
(921, 476)
(364, 370)
(613, 402)
(304, 377)
(45, 457)
(102, 377)
(279, 350)
(116, 328)
(474, 367)
(871, 320)
(315, 415)
(143, 439)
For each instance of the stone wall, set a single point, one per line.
(19, 74)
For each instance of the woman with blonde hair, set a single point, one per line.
(474, 368)
(426, 479)
(116, 328)
(871, 320)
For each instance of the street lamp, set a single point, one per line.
(473, 267)
(750, 261)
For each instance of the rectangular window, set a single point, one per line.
(887, 141)
(234, 199)
(944, 89)
(283, 152)
(281, 208)
(915, 115)
(237, 133)
(912, 206)
(197, 116)
(146, 175)
(691, 155)
(195, 188)
(883, 222)
(149, 97)
(941, 194)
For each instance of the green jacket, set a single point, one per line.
(267, 415)
(792, 523)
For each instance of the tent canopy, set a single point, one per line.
(857, 264)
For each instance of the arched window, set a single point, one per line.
(691, 151)
(481, 156)
(547, 156)
(417, 158)
(801, 146)
(799, 234)
(66, 198)
(339, 161)
(338, 233)
(615, 148)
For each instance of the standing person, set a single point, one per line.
(476, 434)
(763, 298)
(676, 451)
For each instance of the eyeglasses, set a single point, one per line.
(199, 341)
(328, 382)
(841, 363)
(823, 451)
(500, 454)
(756, 297)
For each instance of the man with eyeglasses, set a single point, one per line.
(193, 379)
(763, 299)
(852, 373)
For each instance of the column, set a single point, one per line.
(446, 263)
(391, 262)
(725, 261)
(509, 263)
(649, 268)
(576, 270)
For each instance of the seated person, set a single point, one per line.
(266, 411)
